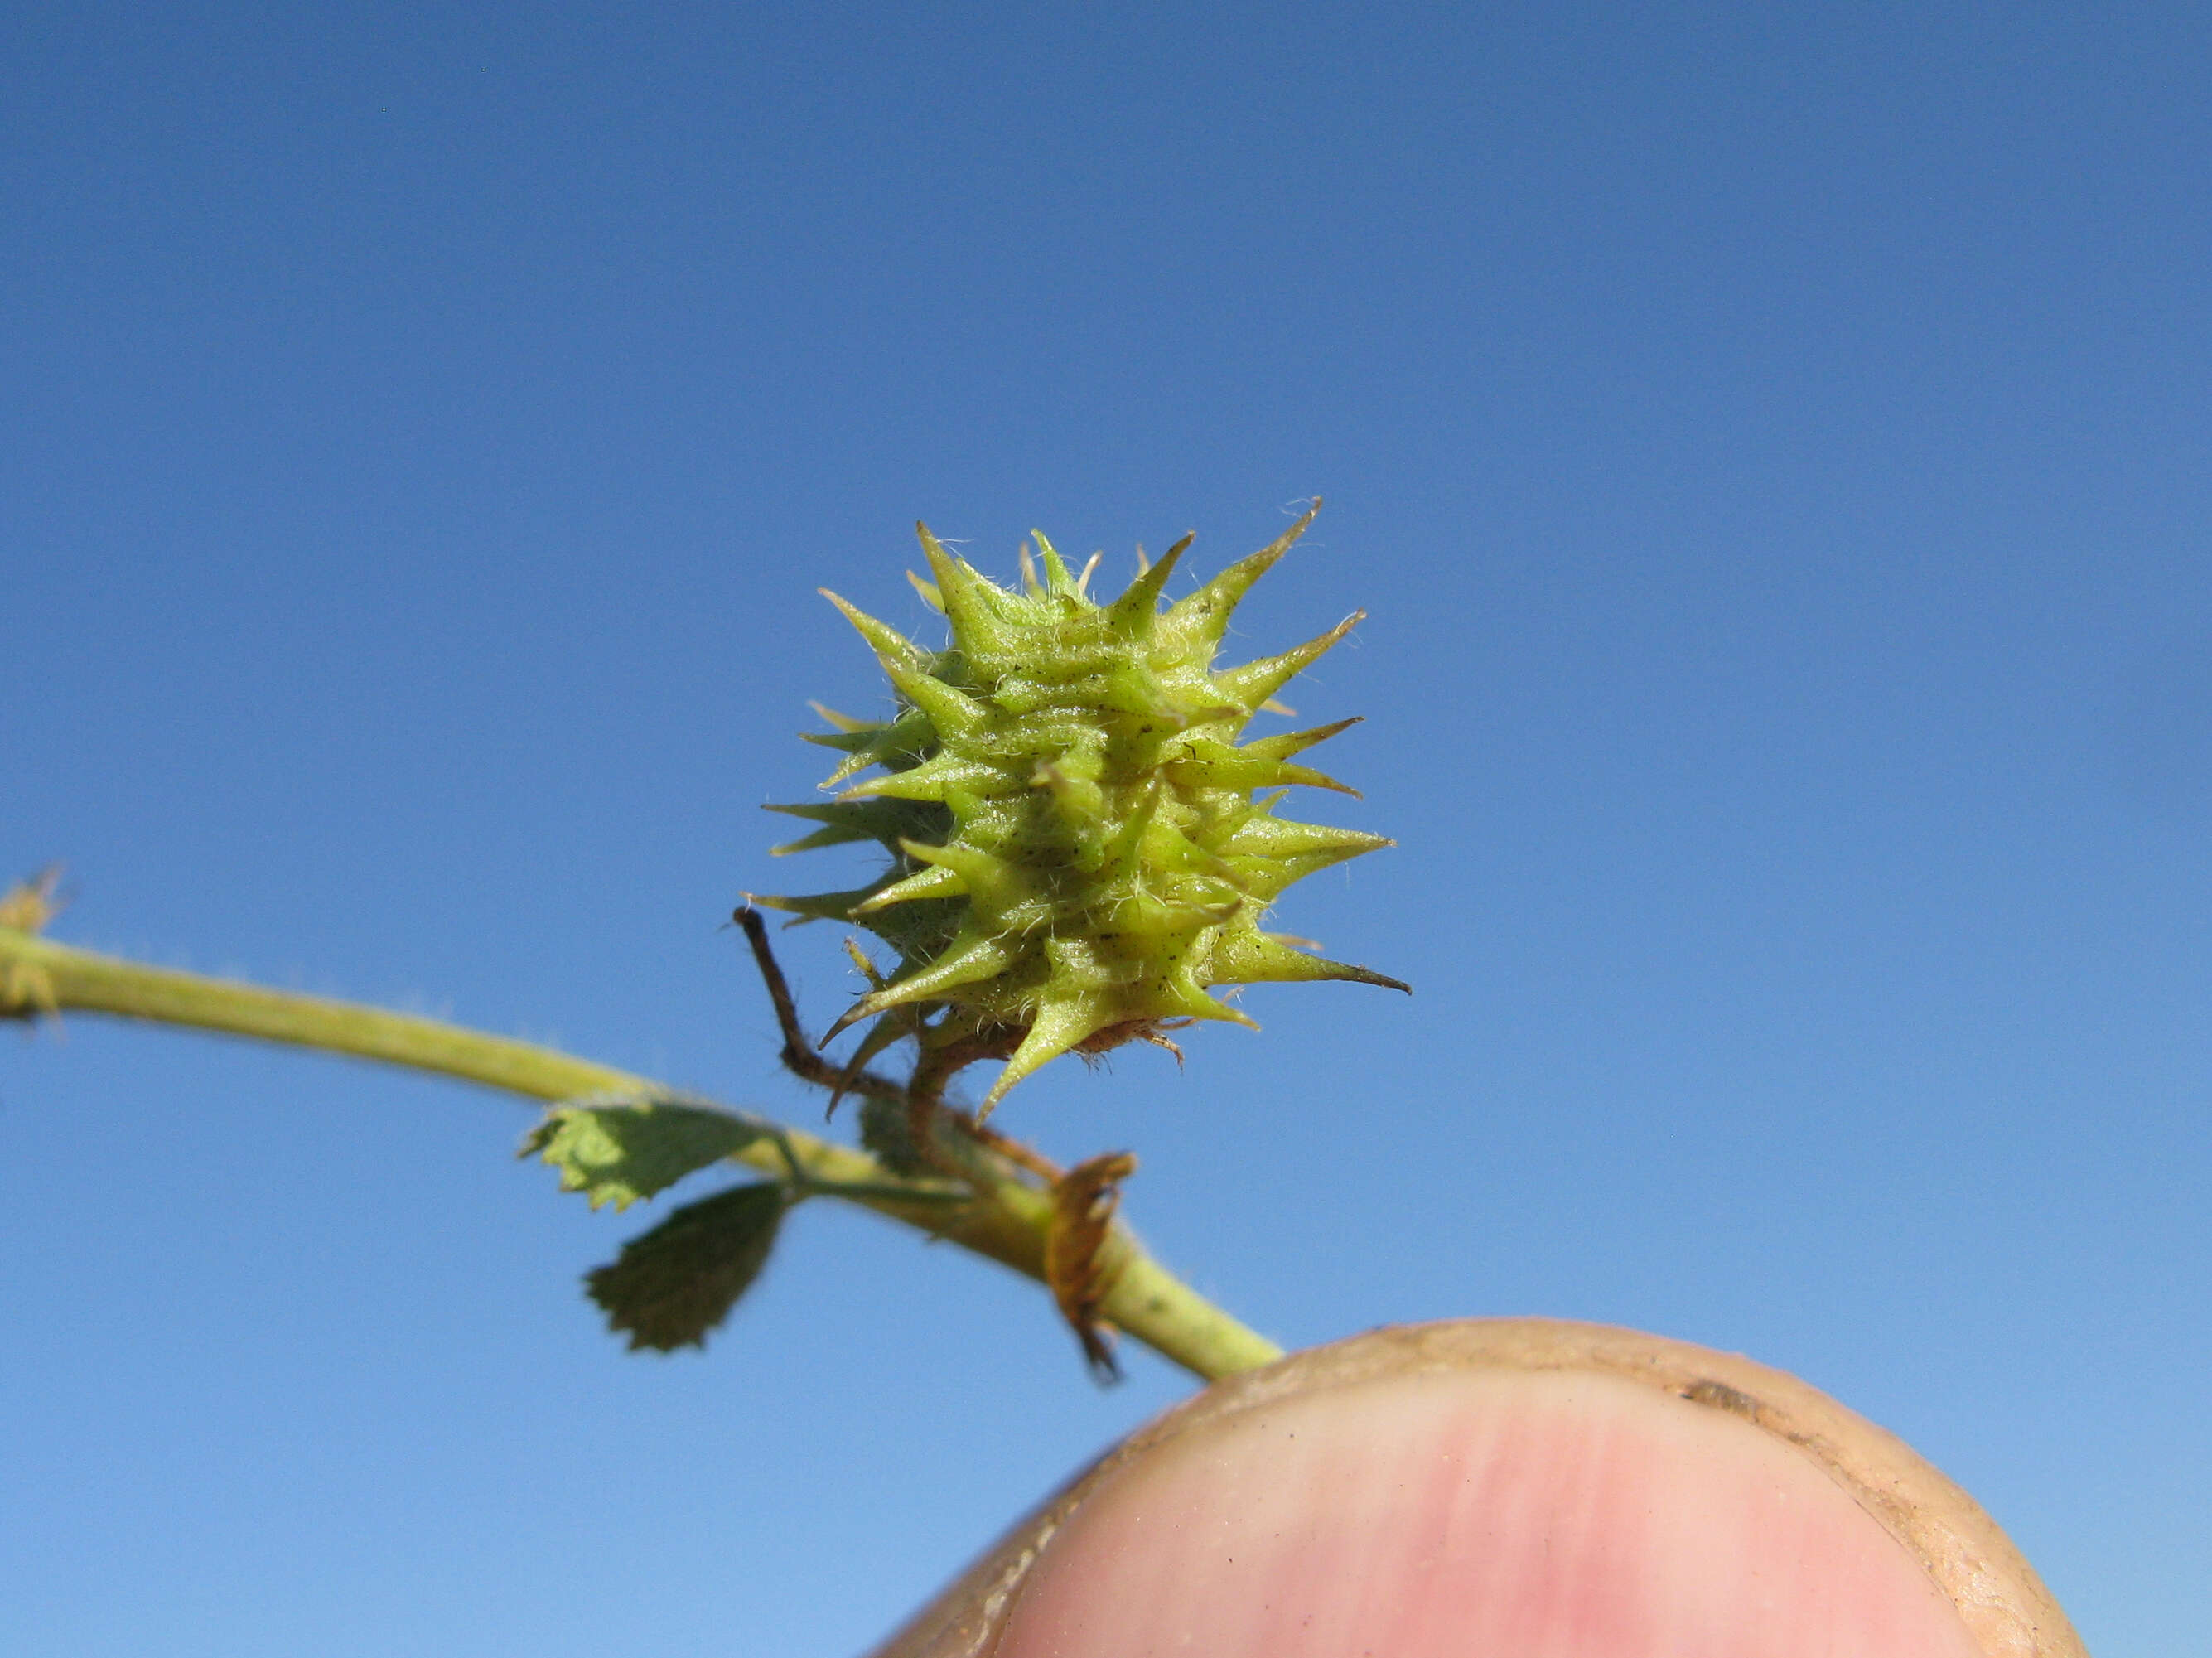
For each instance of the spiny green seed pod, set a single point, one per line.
(1079, 845)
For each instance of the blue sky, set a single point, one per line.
(1771, 443)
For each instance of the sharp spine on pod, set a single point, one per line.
(1080, 847)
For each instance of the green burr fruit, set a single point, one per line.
(1081, 847)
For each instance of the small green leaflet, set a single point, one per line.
(670, 1286)
(619, 1149)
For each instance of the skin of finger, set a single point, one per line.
(2004, 1608)
(1432, 1516)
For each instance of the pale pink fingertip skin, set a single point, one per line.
(1512, 1488)
(1449, 1516)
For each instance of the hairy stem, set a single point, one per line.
(1007, 1222)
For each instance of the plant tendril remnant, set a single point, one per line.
(799, 1056)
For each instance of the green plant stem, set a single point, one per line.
(1006, 1222)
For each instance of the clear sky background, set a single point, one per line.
(1774, 444)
